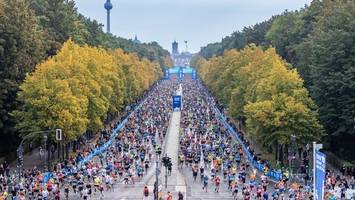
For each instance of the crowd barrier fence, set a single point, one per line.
(275, 175)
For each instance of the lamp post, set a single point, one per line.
(156, 180)
(45, 140)
(292, 157)
(20, 160)
(45, 137)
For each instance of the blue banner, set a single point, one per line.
(176, 102)
(181, 74)
(320, 176)
(166, 74)
(46, 177)
(194, 74)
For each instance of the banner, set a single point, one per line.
(166, 74)
(194, 74)
(181, 74)
(176, 102)
(320, 176)
(46, 177)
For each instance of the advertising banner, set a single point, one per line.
(181, 74)
(194, 74)
(166, 74)
(176, 102)
(320, 175)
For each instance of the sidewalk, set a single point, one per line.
(34, 159)
(30, 160)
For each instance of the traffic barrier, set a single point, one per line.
(106, 145)
(276, 175)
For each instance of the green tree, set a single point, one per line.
(332, 63)
(21, 48)
(60, 21)
(285, 32)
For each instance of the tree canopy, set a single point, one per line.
(318, 41)
(76, 88)
(261, 88)
(34, 30)
(21, 48)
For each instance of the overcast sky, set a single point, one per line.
(198, 21)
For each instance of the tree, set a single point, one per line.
(282, 108)
(260, 89)
(285, 32)
(33, 30)
(167, 62)
(21, 48)
(81, 86)
(332, 64)
(210, 50)
(60, 21)
(239, 39)
(317, 40)
(50, 104)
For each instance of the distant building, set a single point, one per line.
(180, 59)
(136, 40)
(175, 50)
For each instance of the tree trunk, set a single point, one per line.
(58, 150)
(281, 154)
(63, 151)
(67, 151)
(74, 146)
(276, 151)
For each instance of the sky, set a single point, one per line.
(199, 22)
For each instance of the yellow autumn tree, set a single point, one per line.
(139, 74)
(76, 89)
(168, 62)
(261, 89)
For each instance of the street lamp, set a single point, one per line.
(292, 156)
(45, 137)
(156, 180)
(156, 185)
(20, 160)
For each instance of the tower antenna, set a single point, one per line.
(108, 6)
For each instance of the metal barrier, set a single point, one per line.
(272, 173)
(106, 145)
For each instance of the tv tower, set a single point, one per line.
(108, 7)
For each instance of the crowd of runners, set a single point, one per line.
(129, 157)
(214, 157)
